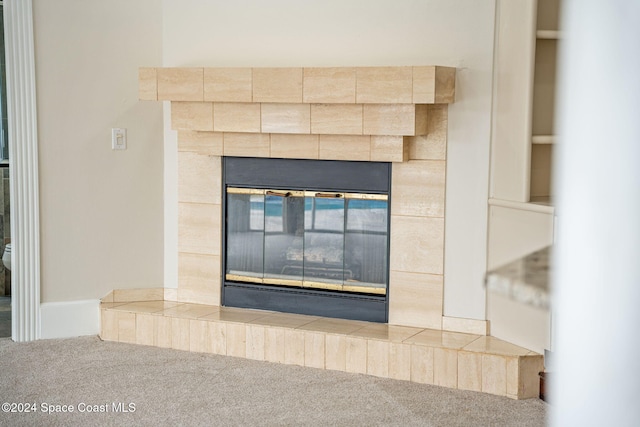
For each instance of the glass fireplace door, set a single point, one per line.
(308, 239)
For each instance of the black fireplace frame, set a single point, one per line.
(314, 175)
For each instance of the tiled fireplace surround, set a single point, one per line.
(388, 114)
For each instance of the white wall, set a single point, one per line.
(455, 33)
(101, 211)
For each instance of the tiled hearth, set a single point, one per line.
(428, 356)
(382, 114)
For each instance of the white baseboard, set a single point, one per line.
(69, 319)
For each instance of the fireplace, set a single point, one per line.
(386, 125)
(307, 236)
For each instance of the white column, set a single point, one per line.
(23, 154)
(597, 279)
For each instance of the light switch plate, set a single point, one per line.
(118, 139)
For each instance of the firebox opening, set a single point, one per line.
(319, 245)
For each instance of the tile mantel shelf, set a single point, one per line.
(369, 110)
(342, 85)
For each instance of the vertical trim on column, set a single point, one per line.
(23, 154)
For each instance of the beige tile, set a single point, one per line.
(330, 85)
(199, 276)
(109, 325)
(392, 119)
(108, 305)
(290, 146)
(192, 116)
(294, 347)
(199, 178)
(335, 326)
(356, 355)
(286, 118)
(255, 342)
(197, 296)
(432, 146)
(274, 345)
(146, 306)
(529, 380)
(422, 364)
(445, 85)
(180, 329)
(314, 350)
(162, 331)
(378, 358)
(422, 120)
(147, 84)
(284, 320)
(445, 367)
(277, 85)
(417, 244)
(336, 119)
(217, 338)
(200, 142)
(191, 311)
(466, 326)
(236, 117)
(336, 352)
(180, 84)
(400, 361)
(416, 299)
(424, 85)
(493, 345)
(389, 149)
(469, 371)
(107, 298)
(345, 147)
(385, 332)
(199, 228)
(235, 315)
(494, 374)
(143, 294)
(228, 84)
(246, 144)
(440, 339)
(236, 340)
(418, 188)
(513, 376)
(126, 327)
(434, 85)
(170, 294)
(384, 85)
(198, 336)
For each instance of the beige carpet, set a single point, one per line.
(170, 387)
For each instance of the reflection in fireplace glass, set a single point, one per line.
(320, 240)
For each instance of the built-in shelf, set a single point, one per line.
(548, 34)
(543, 139)
(542, 200)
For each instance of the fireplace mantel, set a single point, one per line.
(378, 114)
(362, 114)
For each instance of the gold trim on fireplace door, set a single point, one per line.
(306, 284)
(297, 193)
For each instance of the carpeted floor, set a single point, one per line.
(171, 387)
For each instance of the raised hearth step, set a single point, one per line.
(449, 359)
